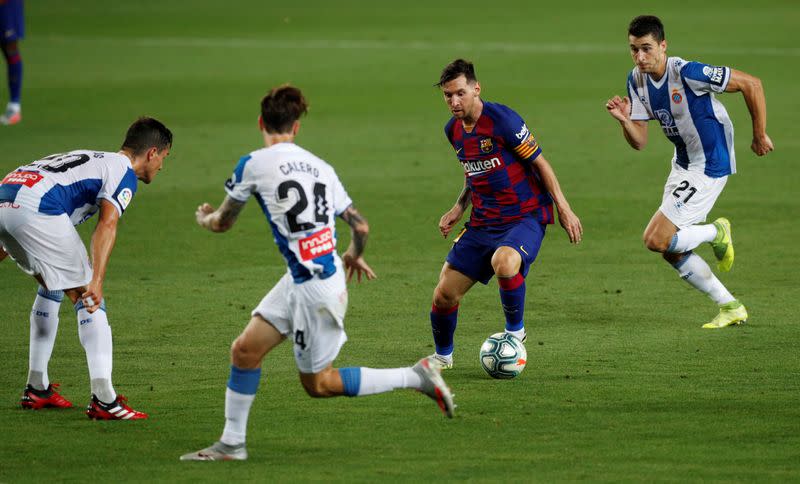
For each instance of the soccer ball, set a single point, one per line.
(503, 356)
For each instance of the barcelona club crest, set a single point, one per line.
(676, 96)
(486, 145)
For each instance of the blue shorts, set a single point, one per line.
(12, 24)
(473, 248)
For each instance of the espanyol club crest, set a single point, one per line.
(676, 96)
(486, 145)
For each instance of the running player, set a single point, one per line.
(680, 95)
(300, 194)
(12, 30)
(511, 187)
(40, 203)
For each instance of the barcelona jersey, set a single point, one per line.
(497, 157)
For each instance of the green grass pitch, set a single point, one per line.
(621, 384)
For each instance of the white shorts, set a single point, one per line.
(45, 245)
(689, 196)
(312, 315)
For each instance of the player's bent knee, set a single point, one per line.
(506, 261)
(318, 387)
(314, 390)
(244, 354)
(443, 298)
(655, 244)
(74, 294)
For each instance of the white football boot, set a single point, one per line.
(433, 384)
(218, 451)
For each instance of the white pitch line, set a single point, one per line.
(320, 44)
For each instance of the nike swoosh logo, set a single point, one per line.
(523, 250)
(459, 150)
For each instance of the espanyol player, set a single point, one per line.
(511, 187)
(680, 95)
(40, 203)
(300, 194)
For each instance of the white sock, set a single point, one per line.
(44, 327)
(16, 107)
(447, 358)
(95, 335)
(519, 334)
(382, 380)
(694, 270)
(237, 409)
(687, 239)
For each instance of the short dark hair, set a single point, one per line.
(647, 24)
(146, 133)
(282, 107)
(453, 70)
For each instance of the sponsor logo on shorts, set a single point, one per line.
(316, 244)
(124, 198)
(27, 178)
(479, 167)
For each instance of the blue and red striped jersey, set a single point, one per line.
(497, 158)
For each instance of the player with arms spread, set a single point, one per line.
(512, 188)
(680, 96)
(300, 195)
(40, 203)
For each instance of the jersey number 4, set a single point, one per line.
(320, 205)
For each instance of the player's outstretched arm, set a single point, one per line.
(221, 219)
(753, 92)
(635, 132)
(103, 239)
(452, 216)
(566, 217)
(353, 258)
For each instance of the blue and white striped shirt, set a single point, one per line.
(691, 117)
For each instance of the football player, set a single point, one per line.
(40, 205)
(511, 187)
(300, 195)
(680, 95)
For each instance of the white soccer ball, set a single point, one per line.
(503, 356)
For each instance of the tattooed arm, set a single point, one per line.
(359, 232)
(221, 219)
